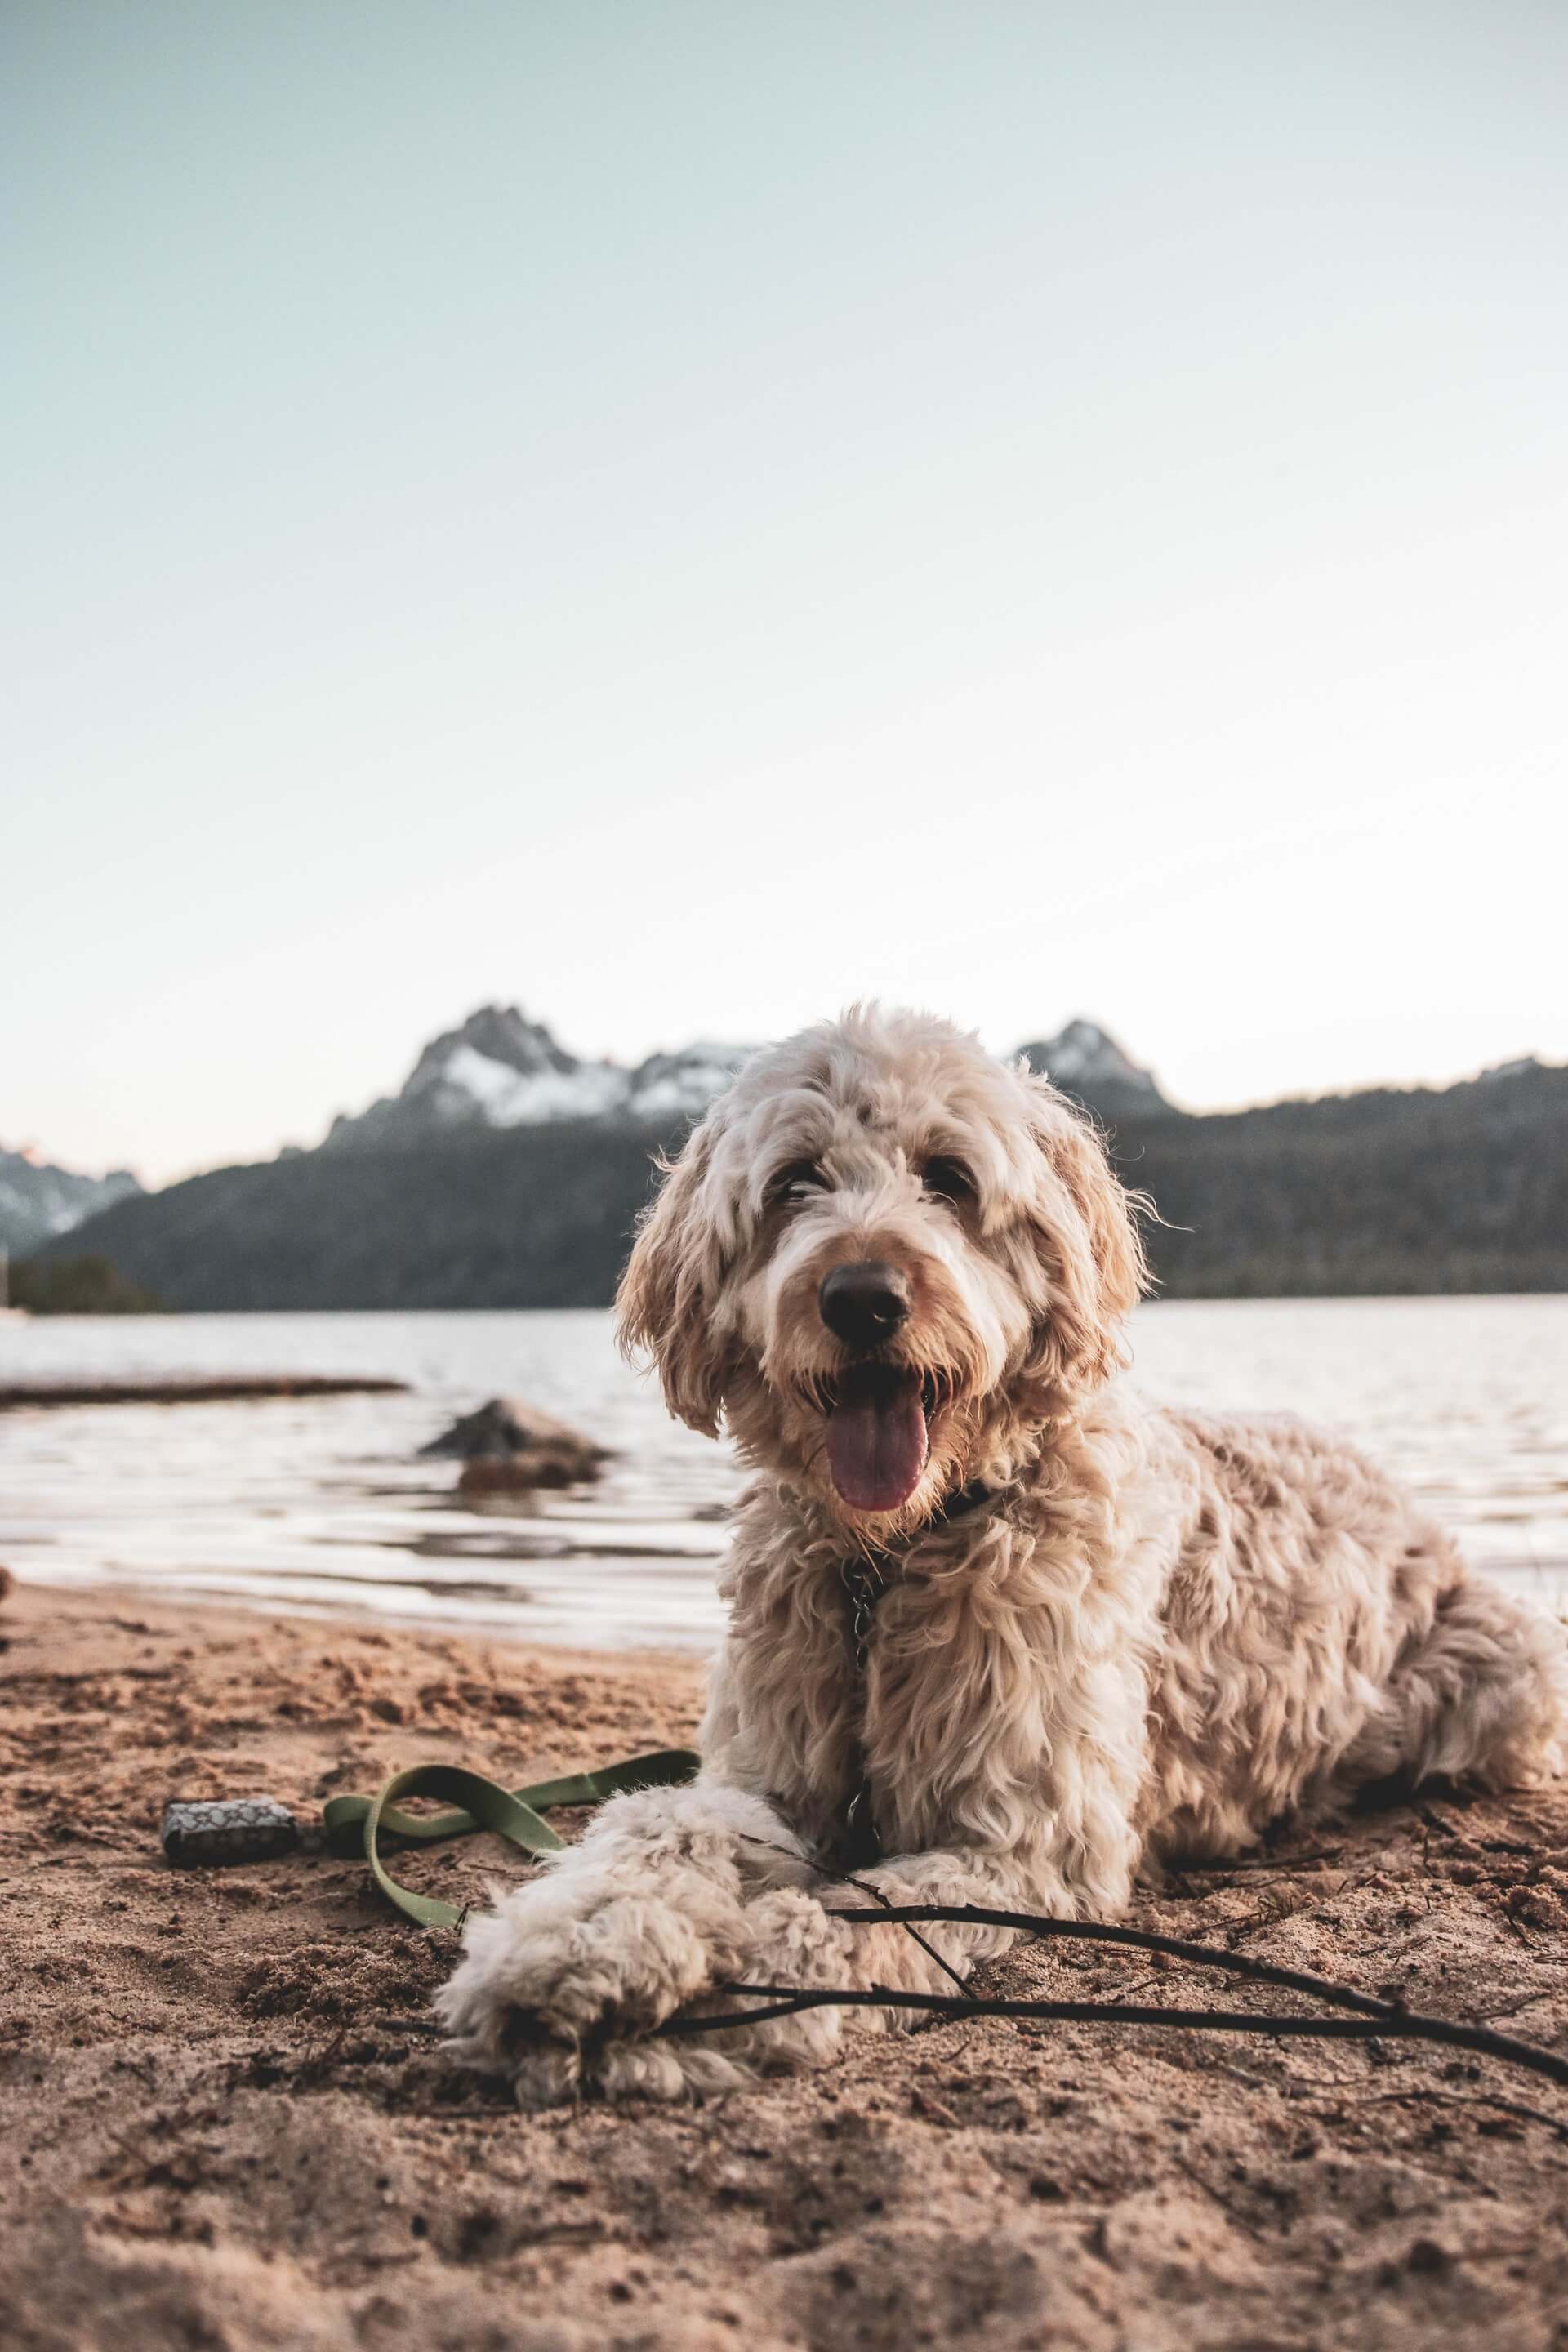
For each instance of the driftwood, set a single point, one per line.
(223, 1388)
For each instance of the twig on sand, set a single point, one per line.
(1374, 2021)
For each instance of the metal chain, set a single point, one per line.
(864, 1584)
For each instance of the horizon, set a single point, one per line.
(39, 1153)
(733, 514)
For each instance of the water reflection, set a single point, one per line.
(321, 1505)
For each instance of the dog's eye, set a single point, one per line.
(948, 1180)
(797, 1182)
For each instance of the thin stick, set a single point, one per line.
(895, 1916)
(1097, 1931)
(1408, 2025)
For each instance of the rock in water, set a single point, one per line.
(533, 1447)
(520, 1474)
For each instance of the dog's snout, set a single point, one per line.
(863, 1304)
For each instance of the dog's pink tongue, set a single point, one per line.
(876, 1443)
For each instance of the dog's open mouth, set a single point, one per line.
(878, 1438)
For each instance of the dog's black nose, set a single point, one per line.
(863, 1304)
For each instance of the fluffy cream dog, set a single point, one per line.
(901, 1271)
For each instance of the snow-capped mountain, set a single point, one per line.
(1087, 1063)
(500, 1069)
(681, 1086)
(38, 1202)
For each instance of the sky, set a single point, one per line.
(684, 515)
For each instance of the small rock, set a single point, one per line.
(522, 1473)
(506, 1431)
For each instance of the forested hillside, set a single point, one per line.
(1465, 1188)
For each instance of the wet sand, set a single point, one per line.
(224, 2121)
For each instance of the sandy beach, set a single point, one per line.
(225, 2122)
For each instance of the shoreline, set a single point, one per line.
(224, 2119)
(198, 1605)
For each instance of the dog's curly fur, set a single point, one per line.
(1158, 1632)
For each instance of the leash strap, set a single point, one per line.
(858, 1843)
(356, 1824)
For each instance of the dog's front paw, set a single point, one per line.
(563, 1963)
(792, 1945)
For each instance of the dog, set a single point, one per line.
(999, 1631)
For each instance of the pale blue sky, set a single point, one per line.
(685, 514)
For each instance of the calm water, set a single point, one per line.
(322, 1505)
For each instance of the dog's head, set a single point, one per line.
(889, 1260)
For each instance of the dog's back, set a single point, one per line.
(1320, 1625)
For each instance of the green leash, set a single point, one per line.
(356, 1824)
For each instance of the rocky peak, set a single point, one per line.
(498, 1033)
(1086, 1062)
(38, 1202)
(498, 1070)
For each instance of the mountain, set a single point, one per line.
(522, 1216)
(502, 1070)
(508, 1172)
(1088, 1064)
(38, 1202)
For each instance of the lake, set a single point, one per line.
(321, 1505)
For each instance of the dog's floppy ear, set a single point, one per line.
(667, 1294)
(1088, 1246)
